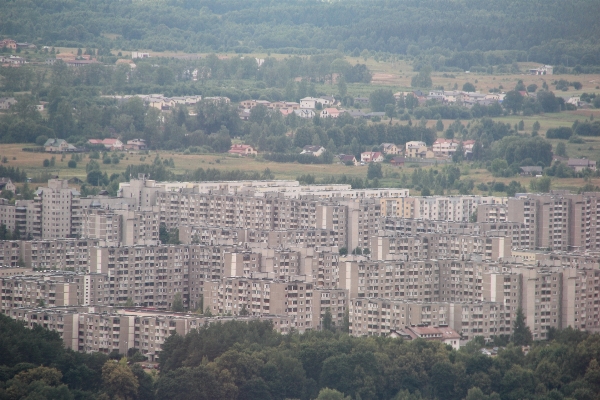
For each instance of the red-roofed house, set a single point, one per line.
(371, 156)
(242, 150)
(443, 334)
(111, 144)
(330, 113)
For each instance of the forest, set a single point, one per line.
(249, 360)
(456, 34)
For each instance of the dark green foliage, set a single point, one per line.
(374, 171)
(521, 332)
(379, 98)
(468, 87)
(168, 237)
(587, 128)
(24, 349)
(523, 150)
(422, 79)
(239, 360)
(411, 28)
(559, 133)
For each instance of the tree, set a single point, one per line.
(439, 125)
(164, 76)
(541, 185)
(72, 164)
(521, 333)
(536, 126)
(459, 155)
(561, 149)
(177, 305)
(422, 79)
(331, 394)
(520, 87)
(521, 125)
(327, 324)
(548, 101)
(119, 381)
(390, 111)
(374, 171)
(342, 86)
(244, 311)
(379, 98)
(468, 87)
(532, 88)
(513, 101)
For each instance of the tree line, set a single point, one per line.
(548, 32)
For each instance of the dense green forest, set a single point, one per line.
(238, 360)
(459, 33)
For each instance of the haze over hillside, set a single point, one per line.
(554, 32)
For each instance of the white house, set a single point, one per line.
(313, 150)
(444, 147)
(304, 113)
(371, 156)
(308, 102)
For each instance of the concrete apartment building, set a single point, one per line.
(379, 317)
(272, 249)
(106, 329)
(60, 254)
(435, 246)
(446, 208)
(121, 227)
(558, 221)
(10, 254)
(35, 291)
(60, 210)
(20, 216)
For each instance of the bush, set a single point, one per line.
(46, 163)
(106, 161)
(40, 140)
(559, 133)
(72, 164)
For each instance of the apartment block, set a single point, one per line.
(10, 253)
(146, 276)
(60, 210)
(106, 329)
(435, 246)
(57, 254)
(122, 227)
(258, 297)
(21, 216)
(380, 317)
(558, 221)
(34, 291)
(492, 212)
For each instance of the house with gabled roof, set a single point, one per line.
(580, 164)
(109, 143)
(242, 150)
(347, 159)
(313, 150)
(58, 146)
(390, 148)
(331, 113)
(371, 156)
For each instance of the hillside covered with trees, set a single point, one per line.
(239, 360)
(459, 34)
